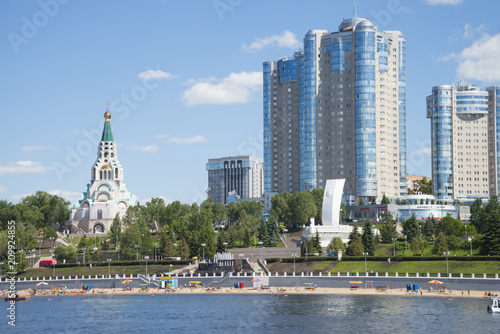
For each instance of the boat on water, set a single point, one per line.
(494, 306)
(17, 298)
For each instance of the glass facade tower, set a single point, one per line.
(464, 136)
(337, 109)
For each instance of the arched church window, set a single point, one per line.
(99, 214)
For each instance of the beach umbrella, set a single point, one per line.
(43, 283)
(126, 281)
(257, 280)
(355, 282)
(435, 281)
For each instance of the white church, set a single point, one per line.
(106, 194)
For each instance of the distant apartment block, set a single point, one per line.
(465, 125)
(337, 109)
(240, 176)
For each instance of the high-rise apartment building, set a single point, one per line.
(242, 175)
(337, 109)
(464, 123)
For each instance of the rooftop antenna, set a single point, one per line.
(354, 12)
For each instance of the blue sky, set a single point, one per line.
(184, 82)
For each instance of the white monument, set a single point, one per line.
(331, 227)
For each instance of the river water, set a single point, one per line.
(240, 313)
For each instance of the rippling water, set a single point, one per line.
(207, 313)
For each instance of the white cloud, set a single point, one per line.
(18, 198)
(286, 40)
(147, 148)
(235, 88)
(479, 61)
(443, 2)
(145, 200)
(155, 75)
(70, 196)
(425, 151)
(39, 148)
(3, 189)
(182, 140)
(23, 167)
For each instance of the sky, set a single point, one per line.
(183, 80)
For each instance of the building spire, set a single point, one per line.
(354, 12)
(107, 135)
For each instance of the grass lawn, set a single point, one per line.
(455, 267)
(386, 250)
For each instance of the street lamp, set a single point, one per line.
(394, 246)
(225, 247)
(203, 245)
(109, 268)
(470, 240)
(294, 255)
(147, 258)
(155, 251)
(366, 269)
(406, 245)
(51, 242)
(446, 253)
(261, 243)
(137, 256)
(83, 249)
(284, 234)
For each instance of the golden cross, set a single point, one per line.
(107, 105)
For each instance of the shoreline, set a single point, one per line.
(271, 290)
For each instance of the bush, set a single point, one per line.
(123, 263)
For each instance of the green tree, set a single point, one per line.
(317, 243)
(361, 202)
(440, 245)
(115, 231)
(221, 239)
(169, 250)
(476, 215)
(491, 238)
(415, 246)
(335, 244)
(303, 207)
(279, 205)
(367, 239)
(355, 247)
(131, 238)
(385, 200)
(353, 234)
(184, 249)
(318, 194)
(430, 227)
(67, 253)
(410, 227)
(451, 226)
(389, 229)
(53, 208)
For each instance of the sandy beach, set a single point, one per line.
(271, 290)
